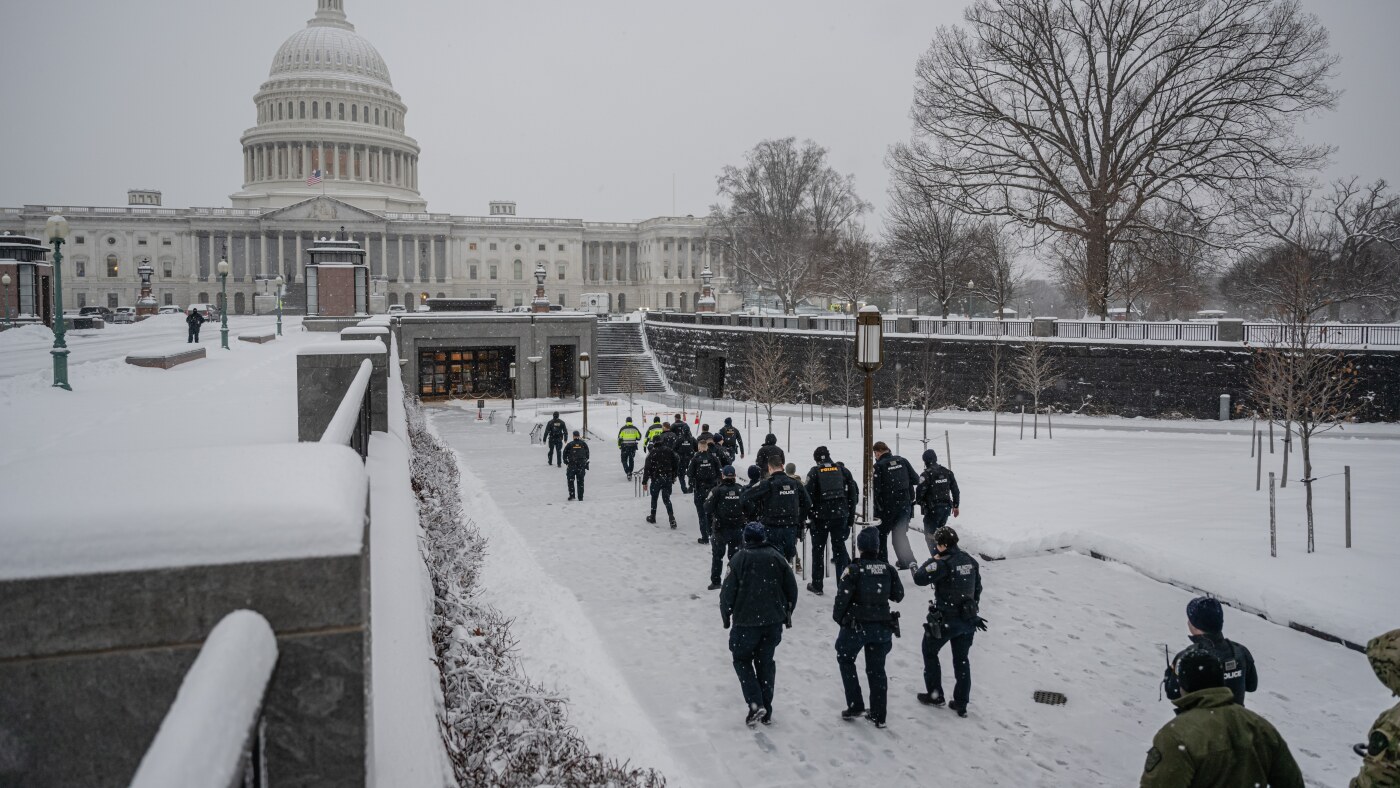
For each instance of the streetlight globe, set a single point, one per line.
(223, 268)
(584, 366)
(56, 228)
(5, 280)
(869, 337)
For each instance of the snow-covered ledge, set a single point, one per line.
(112, 574)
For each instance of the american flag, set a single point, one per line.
(314, 178)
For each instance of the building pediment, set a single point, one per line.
(323, 209)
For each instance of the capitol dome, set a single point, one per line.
(329, 122)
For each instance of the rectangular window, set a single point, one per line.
(80, 267)
(112, 265)
(561, 299)
(493, 247)
(492, 272)
(111, 300)
(518, 269)
(165, 242)
(169, 299)
(471, 272)
(561, 247)
(140, 241)
(563, 269)
(82, 300)
(168, 269)
(471, 246)
(79, 240)
(541, 247)
(519, 298)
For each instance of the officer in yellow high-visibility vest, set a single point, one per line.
(628, 439)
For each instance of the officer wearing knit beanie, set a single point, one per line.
(1205, 621)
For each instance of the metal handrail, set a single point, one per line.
(212, 736)
(350, 424)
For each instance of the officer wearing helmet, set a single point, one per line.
(835, 496)
(952, 618)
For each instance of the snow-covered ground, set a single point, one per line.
(615, 610)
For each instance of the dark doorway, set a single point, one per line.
(709, 373)
(562, 371)
(465, 372)
(46, 302)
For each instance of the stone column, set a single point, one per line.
(432, 259)
(281, 252)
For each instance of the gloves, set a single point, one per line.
(726, 622)
(585, 466)
(980, 623)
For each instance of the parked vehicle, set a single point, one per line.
(171, 310)
(209, 311)
(398, 309)
(99, 311)
(124, 314)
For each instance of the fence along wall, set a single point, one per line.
(1152, 380)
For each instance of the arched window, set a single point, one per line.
(279, 110)
(518, 270)
(393, 298)
(111, 265)
(622, 302)
(365, 114)
(328, 110)
(682, 302)
(441, 295)
(290, 107)
(354, 112)
(303, 110)
(342, 112)
(670, 300)
(376, 116)
(315, 110)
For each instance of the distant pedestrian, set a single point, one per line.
(937, 496)
(1381, 766)
(576, 461)
(768, 452)
(726, 514)
(834, 495)
(1205, 621)
(1213, 741)
(733, 439)
(653, 432)
(864, 592)
(659, 472)
(194, 320)
(755, 603)
(555, 431)
(703, 472)
(628, 438)
(685, 446)
(892, 488)
(953, 618)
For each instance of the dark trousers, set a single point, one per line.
(575, 476)
(685, 463)
(876, 640)
(838, 532)
(896, 525)
(629, 457)
(962, 668)
(662, 489)
(194, 334)
(556, 449)
(753, 649)
(935, 519)
(785, 539)
(700, 495)
(724, 543)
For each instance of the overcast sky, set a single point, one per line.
(572, 109)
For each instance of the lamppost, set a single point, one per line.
(585, 371)
(57, 229)
(279, 281)
(512, 389)
(869, 357)
(223, 302)
(6, 280)
(970, 283)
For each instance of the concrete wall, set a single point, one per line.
(528, 334)
(324, 374)
(1127, 379)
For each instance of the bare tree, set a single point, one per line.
(1074, 116)
(1184, 258)
(768, 375)
(814, 374)
(996, 272)
(848, 376)
(998, 380)
(1035, 371)
(928, 385)
(1306, 389)
(930, 244)
(630, 381)
(785, 209)
(856, 272)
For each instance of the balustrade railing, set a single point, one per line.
(351, 422)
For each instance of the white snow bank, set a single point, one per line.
(33, 335)
(347, 346)
(76, 514)
(164, 350)
(200, 743)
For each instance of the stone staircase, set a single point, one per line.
(621, 354)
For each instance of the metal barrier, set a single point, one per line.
(213, 735)
(1005, 328)
(1322, 334)
(1111, 329)
(351, 422)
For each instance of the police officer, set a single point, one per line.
(555, 430)
(684, 444)
(658, 473)
(628, 439)
(726, 514)
(952, 618)
(653, 432)
(893, 482)
(757, 597)
(1205, 620)
(704, 473)
(782, 504)
(1382, 765)
(834, 495)
(576, 460)
(864, 592)
(937, 496)
(733, 439)
(768, 452)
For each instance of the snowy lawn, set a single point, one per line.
(615, 610)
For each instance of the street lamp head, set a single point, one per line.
(223, 268)
(5, 280)
(869, 338)
(279, 281)
(512, 370)
(585, 366)
(56, 228)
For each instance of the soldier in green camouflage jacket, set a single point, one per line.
(1382, 766)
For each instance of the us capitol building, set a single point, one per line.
(328, 107)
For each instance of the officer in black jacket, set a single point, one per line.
(658, 472)
(782, 504)
(757, 598)
(1205, 621)
(555, 430)
(864, 592)
(769, 451)
(685, 446)
(892, 483)
(937, 496)
(952, 618)
(725, 509)
(703, 471)
(576, 462)
(834, 495)
(733, 439)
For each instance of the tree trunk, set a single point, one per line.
(1287, 431)
(1035, 419)
(1096, 266)
(994, 432)
(1303, 436)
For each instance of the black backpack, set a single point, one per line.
(831, 483)
(729, 508)
(707, 474)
